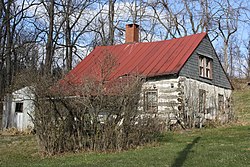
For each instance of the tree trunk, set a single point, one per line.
(225, 65)
(9, 120)
(49, 45)
(111, 22)
(8, 115)
(68, 39)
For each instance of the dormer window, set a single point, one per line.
(205, 67)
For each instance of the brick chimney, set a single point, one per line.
(132, 33)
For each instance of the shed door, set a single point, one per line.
(19, 121)
(19, 115)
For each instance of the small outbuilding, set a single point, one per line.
(18, 108)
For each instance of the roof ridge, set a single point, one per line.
(134, 43)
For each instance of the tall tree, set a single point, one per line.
(111, 14)
(49, 44)
(227, 25)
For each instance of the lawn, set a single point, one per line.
(242, 105)
(224, 146)
(218, 147)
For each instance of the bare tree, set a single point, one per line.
(75, 25)
(106, 18)
(182, 18)
(227, 25)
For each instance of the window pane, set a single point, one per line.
(207, 63)
(208, 73)
(201, 61)
(201, 71)
(151, 102)
(152, 97)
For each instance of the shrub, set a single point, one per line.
(99, 116)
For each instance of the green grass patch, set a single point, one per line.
(225, 146)
(242, 104)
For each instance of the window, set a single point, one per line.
(221, 102)
(201, 63)
(205, 67)
(151, 101)
(19, 107)
(202, 100)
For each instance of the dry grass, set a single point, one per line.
(14, 131)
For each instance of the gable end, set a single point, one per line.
(191, 67)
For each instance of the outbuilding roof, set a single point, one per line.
(147, 59)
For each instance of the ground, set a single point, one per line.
(222, 146)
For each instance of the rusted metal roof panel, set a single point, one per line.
(145, 59)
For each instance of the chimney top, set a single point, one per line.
(132, 33)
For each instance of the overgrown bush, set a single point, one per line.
(96, 116)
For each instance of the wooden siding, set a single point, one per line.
(191, 67)
(191, 100)
(168, 90)
(182, 100)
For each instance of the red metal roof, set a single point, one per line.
(145, 59)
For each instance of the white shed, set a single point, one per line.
(17, 109)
